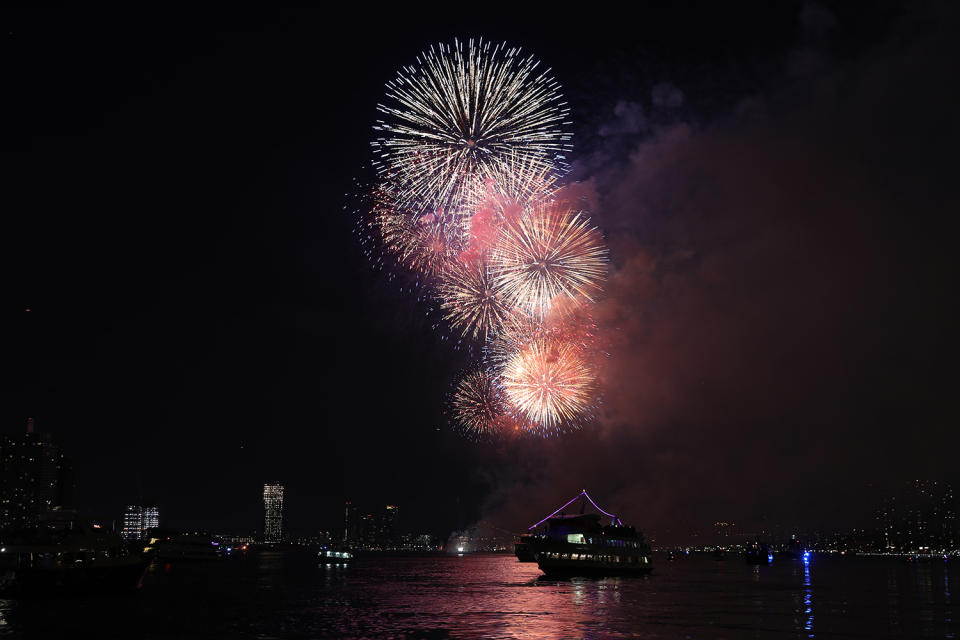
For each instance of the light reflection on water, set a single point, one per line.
(489, 596)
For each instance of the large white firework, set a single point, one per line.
(466, 115)
(547, 254)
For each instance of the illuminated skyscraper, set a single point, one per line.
(132, 523)
(273, 512)
(151, 518)
(137, 520)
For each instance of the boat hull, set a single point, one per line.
(524, 553)
(591, 560)
(572, 568)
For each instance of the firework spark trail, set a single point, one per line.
(424, 245)
(470, 301)
(549, 384)
(517, 330)
(547, 252)
(478, 404)
(516, 180)
(455, 119)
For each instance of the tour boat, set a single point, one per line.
(580, 545)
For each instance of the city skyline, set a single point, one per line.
(915, 515)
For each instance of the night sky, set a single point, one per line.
(777, 187)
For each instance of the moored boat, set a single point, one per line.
(524, 548)
(64, 556)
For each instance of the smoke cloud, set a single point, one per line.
(779, 307)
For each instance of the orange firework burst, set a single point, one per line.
(548, 251)
(575, 328)
(549, 383)
(469, 299)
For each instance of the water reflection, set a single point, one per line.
(807, 598)
(497, 597)
(947, 609)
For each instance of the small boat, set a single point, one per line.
(757, 553)
(523, 548)
(335, 556)
(579, 545)
(65, 556)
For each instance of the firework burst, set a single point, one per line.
(478, 404)
(470, 151)
(549, 384)
(422, 244)
(547, 252)
(518, 330)
(461, 117)
(470, 301)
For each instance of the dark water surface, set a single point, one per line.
(274, 595)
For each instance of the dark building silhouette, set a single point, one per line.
(373, 530)
(351, 524)
(35, 476)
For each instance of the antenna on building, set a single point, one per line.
(29, 425)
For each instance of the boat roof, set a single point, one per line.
(579, 516)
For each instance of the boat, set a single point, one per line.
(757, 553)
(65, 555)
(579, 545)
(335, 556)
(523, 548)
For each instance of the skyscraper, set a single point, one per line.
(137, 520)
(273, 512)
(350, 523)
(151, 518)
(35, 476)
(132, 523)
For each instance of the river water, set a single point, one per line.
(274, 595)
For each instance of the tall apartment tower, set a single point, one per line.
(35, 477)
(273, 512)
(137, 520)
(132, 523)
